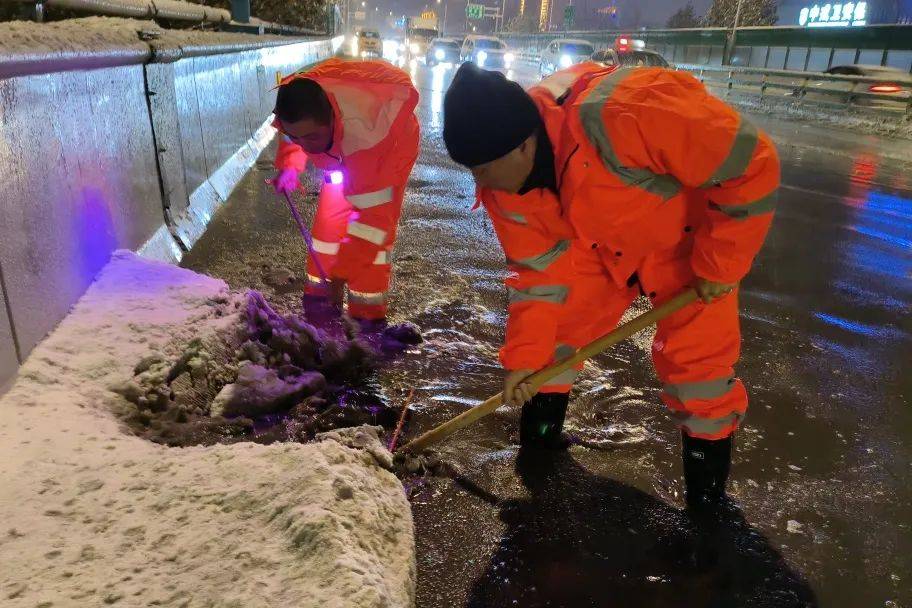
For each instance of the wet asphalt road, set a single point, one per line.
(823, 465)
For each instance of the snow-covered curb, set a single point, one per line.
(95, 517)
(88, 35)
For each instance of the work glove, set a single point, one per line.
(286, 181)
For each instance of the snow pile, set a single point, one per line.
(95, 516)
(264, 377)
(88, 35)
(889, 125)
(100, 35)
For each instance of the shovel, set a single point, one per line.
(307, 238)
(539, 378)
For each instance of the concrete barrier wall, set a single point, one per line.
(132, 156)
(208, 115)
(79, 180)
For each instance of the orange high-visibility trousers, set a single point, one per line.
(368, 288)
(694, 350)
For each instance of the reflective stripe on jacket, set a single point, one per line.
(375, 144)
(646, 153)
(536, 241)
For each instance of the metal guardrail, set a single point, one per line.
(793, 86)
(790, 86)
(776, 48)
(173, 10)
(804, 88)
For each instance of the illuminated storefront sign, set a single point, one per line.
(834, 15)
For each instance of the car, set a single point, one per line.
(893, 85)
(486, 52)
(629, 52)
(443, 50)
(632, 58)
(419, 33)
(564, 52)
(368, 44)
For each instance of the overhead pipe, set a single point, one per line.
(104, 7)
(175, 11)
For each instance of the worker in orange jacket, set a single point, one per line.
(355, 120)
(604, 184)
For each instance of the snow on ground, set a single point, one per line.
(98, 35)
(93, 516)
(89, 35)
(895, 126)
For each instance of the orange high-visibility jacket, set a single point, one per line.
(641, 155)
(375, 144)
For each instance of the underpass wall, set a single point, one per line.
(118, 148)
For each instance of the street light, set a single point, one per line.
(443, 25)
(734, 35)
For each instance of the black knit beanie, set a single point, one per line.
(485, 116)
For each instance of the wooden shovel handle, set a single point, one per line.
(539, 378)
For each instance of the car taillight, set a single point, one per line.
(885, 87)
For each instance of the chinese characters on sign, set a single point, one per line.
(475, 11)
(834, 15)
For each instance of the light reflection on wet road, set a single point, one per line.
(826, 357)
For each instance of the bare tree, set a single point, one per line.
(300, 13)
(754, 12)
(683, 18)
(523, 24)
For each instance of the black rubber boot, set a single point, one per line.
(706, 466)
(320, 311)
(542, 421)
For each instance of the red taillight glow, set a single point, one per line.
(885, 88)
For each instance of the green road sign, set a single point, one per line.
(475, 11)
(568, 16)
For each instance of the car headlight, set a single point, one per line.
(481, 57)
(413, 47)
(439, 55)
(508, 58)
(566, 61)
